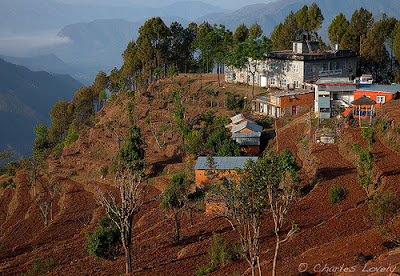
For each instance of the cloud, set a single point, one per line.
(25, 43)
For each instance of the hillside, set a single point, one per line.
(25, 101)
(329, 234)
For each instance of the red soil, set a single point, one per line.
(329, 234)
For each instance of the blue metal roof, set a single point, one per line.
(224, 163)
(379, 88)
(240, 117)
(246, 135)
(246, 124)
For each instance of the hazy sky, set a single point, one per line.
(226, 4)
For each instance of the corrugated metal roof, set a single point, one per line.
(379, 88)
(240, 117)
(246, 124)
(335, 88)
(291, 93)
(247, 135)
(224, 163)
(248, 141)
(333, 80)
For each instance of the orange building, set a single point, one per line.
(378, 92)
(223, 166)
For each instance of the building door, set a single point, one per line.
(263, 81)
(294, 110)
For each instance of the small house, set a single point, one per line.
(331, 92)
(239, 118)
(279, 104)
(223, 166)
(380, 93)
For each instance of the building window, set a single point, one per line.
(255, 79)
(380, 99)
(272, 81)
(272, 66)
(283, 83)
(296, 84)
(350, 65)
(284, 67)
(263, 65)
(309, 68)
(229, 76)
(344, 65)
(234, 76)
(248, 78)
(295, 68)
(325, 67)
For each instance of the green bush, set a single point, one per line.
(220, 254)
(337, 194)
(10, 171)
(235, 101)
(384, 208)
(7, 183)
(105, 240)
(40, 267)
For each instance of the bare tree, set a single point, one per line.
(132, 190)
(267, 185)
(132, 186)
(33, 166)
(45, 198)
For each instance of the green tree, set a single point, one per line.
(255, 31)
(61, 115)
(132, 64)
(174, 200)
(374, 55)
(396, 41)
(42, 142)
(241, 34)
(268, 185)
(248, 54)
(315, 18)
(132, 186)
(219, 143)
(303, 20)
(285, 33)
(337, 29)
(360, 22)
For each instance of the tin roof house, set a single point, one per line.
(246, 133)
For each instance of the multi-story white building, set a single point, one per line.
(292, 68)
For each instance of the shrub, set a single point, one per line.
(105, 240)
(220, 253)
(40, 267)
(235, 101)
(10, 171)
(383, 209)
(7, 183)
(337, 194)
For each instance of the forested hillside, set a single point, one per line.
(25, 101)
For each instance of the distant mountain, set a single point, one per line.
(49, 63)
(98, 45)
(31, 15)
(25, 101)
(269, 15)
